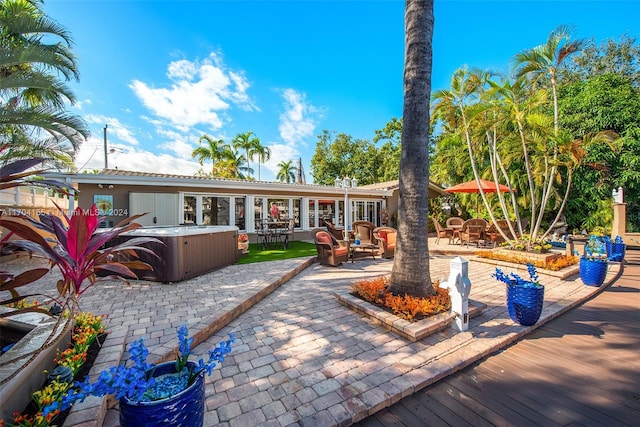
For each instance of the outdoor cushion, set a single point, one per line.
(340, 250)
(324, 237)
(383, 234)
(391, 239)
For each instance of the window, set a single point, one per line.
(239, 213)
(189, 212)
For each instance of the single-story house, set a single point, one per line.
(182, 200)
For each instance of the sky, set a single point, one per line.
(160, 74)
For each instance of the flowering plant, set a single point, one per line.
(137, 383)
(243, 238)
(514, 279)
(595, 249)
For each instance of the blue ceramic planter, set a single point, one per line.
(615, 251)
(592, 272)
(185, 409)
(524, 303)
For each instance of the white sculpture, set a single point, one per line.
(459, 287)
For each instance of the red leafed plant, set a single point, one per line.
(74, 245)
(376, 291)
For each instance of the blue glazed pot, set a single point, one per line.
(185, 409)
(524, 302)
(615, 251)
(592, 272)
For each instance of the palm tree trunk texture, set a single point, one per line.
(410, 272)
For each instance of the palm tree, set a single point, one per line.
(541, 62)
(232, 165)
(249, 143)
(32, 99)
(545, 60)
(264, 154)
(287, 172)
(214, 151)
(410, 272)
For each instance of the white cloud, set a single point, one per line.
(114, 127)
(298, 121)
(200, 91)
(91, 156)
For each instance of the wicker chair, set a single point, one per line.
(473, 231)
(386, 237)
(454, 222)
(365, 228)
(337, 233)
(493, 234)
(442, 232)
(331, 252)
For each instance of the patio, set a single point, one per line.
(300, 356)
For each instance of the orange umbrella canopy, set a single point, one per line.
(472, 187)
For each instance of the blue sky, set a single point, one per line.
(163, 73)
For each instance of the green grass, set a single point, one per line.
(295, 250)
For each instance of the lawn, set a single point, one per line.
(296, 249)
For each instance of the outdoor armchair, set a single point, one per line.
(365, 229)
(331, 251)
(386, 237)
(473, 231)
(442, 232)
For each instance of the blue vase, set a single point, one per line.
(185, 409)
(524, 302)
(615, 251)
(592, 272)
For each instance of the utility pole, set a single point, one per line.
(106, 160)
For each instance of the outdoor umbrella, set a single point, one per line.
(472, 187)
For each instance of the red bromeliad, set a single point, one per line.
(76, 246)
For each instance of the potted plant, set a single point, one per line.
(165, 394)
(243, 243)
(525, 297)
(593, 263)
(615, 248)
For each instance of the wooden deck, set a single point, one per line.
(582, 369)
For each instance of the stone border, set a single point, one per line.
(413, 331)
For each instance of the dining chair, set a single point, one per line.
(442, 232)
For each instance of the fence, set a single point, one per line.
(30, 200)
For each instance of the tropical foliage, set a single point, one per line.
(512, 131)
(76, 247)
(35, 52)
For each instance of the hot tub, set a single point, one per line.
(188, 251)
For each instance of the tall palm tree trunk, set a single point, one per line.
(410, 273)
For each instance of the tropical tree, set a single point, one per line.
(410, 272)
(249, 143)
(287, 172)
(214, 150)
(263, 153)
(232, 165)
(544, 62)
(34, 50)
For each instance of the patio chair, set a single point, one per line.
(442, 232)
(454, 222)
(493, 234)
(337, 233)
(263, 233)
(386, 237)
(331, 252)
(473, 231)
(287, 233)
(365, 229)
